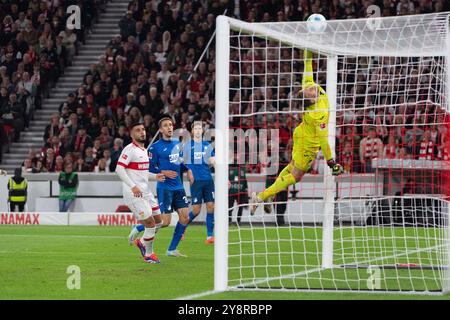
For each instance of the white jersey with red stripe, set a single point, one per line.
(135, 161)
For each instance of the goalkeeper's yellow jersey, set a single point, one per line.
(312, 133)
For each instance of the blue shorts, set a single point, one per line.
(170, 200)
(202, 191)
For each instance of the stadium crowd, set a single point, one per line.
(35, 48)
(148, 70)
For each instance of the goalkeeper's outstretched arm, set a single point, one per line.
(307, 79)
(310, 90)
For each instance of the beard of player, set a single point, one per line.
(139, 134)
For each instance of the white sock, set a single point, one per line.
(147, 240)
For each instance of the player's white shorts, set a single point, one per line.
(142, 207)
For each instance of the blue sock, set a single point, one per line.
(177, 234)
(191, 216)
(140, 227)
(210, 224)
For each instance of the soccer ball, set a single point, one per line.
(316, 23)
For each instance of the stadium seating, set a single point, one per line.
(148, 70)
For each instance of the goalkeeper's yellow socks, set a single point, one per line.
(286, 170)
(282, 182)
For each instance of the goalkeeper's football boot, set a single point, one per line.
(140, 246)
(133, 233)
(254, 203)
(151, 259)
(268, 206)
(209, 240)
(175, 253)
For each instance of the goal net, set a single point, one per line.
(383, 224)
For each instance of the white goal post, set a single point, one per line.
(328, 252)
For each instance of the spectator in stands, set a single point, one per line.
(93, 128)
(97, 149)
(70, 157)
(155, 104)
(68, 184)
(413, 136)
(105, 138)
(64, 119)
(72, 124)
(26, 92)
(89, 158)
(49, 160)
(12, 113)
(52, 129)
(101, 167)
(115, 153)
(61, 51)
(129, 103)
(391, 148)
(165, 74)
(69, 40)
(80, 166)
(37, 167)
(127, 25)
(27, 166)
(81, 141)
(103, 117)
(123, 135)
(57, 146)
(49, 64)
(66, 139)
(444, 150)
(176, 57)
(30, 34)
(83, 120)
(426, 149)
(115, 102)
(107, 157)
(371, 147)
(112, 128)
(151, 127)
(59, 164)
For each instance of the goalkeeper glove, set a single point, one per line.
(336, 168)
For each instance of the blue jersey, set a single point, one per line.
(196, 158)
(167, 155)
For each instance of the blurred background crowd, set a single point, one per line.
(149, 69)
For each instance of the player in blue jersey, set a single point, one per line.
(198, 156)
(166, 157)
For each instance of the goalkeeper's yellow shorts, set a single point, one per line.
(305, 148)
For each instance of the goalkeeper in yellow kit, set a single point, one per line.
(309, 137)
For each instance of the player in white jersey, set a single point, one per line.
(132, 169)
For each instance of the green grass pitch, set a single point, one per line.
(34, 262)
